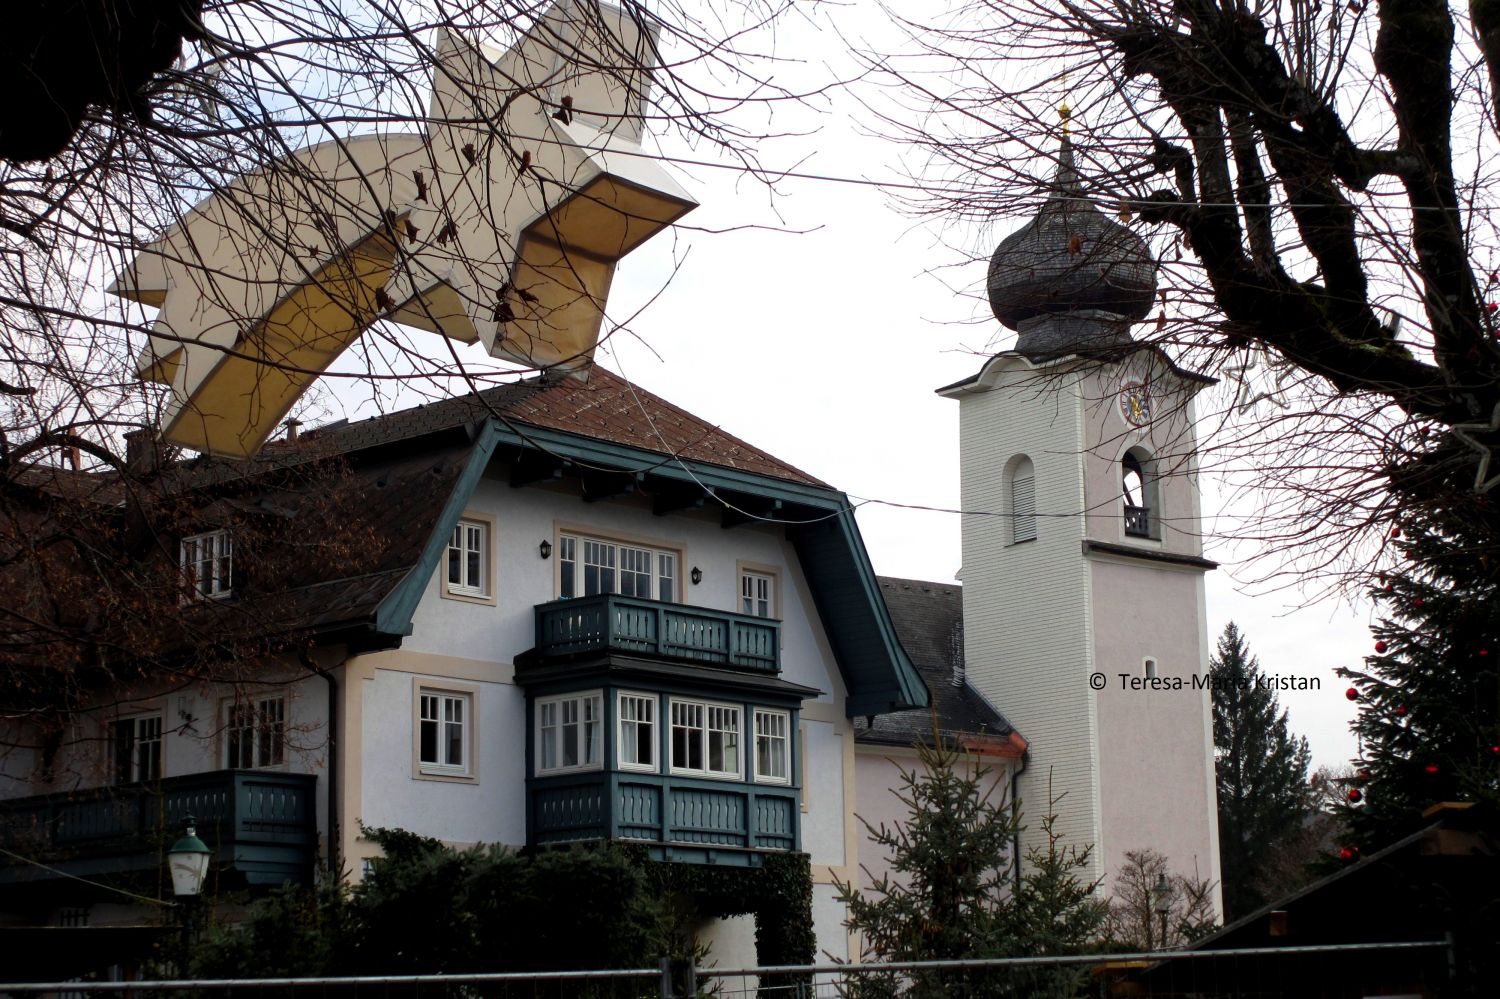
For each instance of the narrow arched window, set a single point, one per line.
(1133, 484)
(1022, 501)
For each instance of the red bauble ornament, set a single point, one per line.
(1431, 768)
(1395, 532)
(1495, 749)
(1401, 711)
(1484, 652)
(1354, 795)
(1380, 646)
(1388, 587)
(1418, 602)
(1381, 577)
(1352, 694)
(1348, 853)
(1365, 774)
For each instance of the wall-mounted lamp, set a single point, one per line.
(697, 575)
(544, 549)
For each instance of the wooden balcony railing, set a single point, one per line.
(614, 623)
(261, 823)
(679, 818)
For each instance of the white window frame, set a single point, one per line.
(572, 554)
(704, 729)
(758, 589)
(266, 726)
(651, 718)
(784, 718)
(475, 535)
(442, 723)
(211, 549)
(152, 722)
(583, 700)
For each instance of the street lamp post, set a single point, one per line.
(1161, 896)
(188, 862)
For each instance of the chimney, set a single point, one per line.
(292, 429)
(142, 451)
(956, 652)
(75, 457)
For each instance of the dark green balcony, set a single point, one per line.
(261, 826)
(652, 628)
(680, 818)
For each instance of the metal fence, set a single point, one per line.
(1418, 968)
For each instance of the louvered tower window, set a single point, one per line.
(1022, 502)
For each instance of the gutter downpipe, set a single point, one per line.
(1015, 788)
(305, 655)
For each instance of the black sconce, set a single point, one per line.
(697, 575)
(544, 549)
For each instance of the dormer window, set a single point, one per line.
(207, 562)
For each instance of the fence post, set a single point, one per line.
(666, 977)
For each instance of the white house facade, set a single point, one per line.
(586, 616)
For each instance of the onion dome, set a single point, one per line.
(1072, 279)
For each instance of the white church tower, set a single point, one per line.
(1083, 574)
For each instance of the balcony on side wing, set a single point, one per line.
(260, 826)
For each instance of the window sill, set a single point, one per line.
(467, 596)
(706, 775)
(446, 776)
(588, 768)
(640, 768)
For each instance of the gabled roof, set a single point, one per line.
(409, 476)
(929, 622)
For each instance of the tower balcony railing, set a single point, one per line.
(1137, 521)
(609, 622)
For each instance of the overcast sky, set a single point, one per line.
(821, 339)
(817, 324)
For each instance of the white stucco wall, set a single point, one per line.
(472, 646)
(1156, 744)
(1027, 618)
(1041, 616)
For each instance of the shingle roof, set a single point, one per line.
(928, 617)
(604, 407)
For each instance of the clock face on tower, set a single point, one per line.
(1135, 403)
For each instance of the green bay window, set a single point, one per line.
(705, 738)
(570, 733)
(637, 737)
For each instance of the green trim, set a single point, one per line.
(846, 592)
(876, 669)
(393, 616)
(634, 459)
(879, 674)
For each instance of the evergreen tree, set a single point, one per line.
(951, 894)
(1055, 911)
(1261, 770)
(1428, 698)
(944, 897)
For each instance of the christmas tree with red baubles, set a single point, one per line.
(1428, 696)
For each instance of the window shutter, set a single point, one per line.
(1023, 508)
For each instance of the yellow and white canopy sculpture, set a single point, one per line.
(503, 223)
